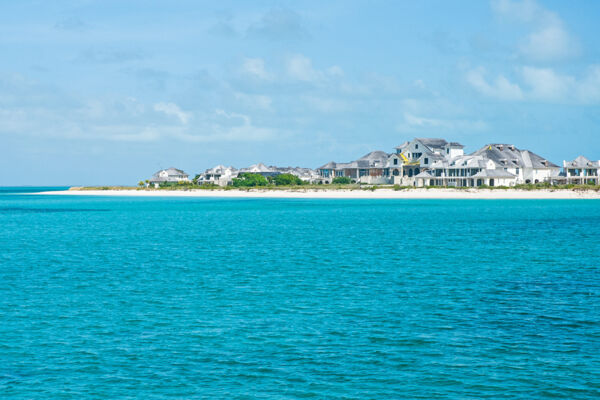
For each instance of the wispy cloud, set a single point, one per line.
(71, 24)
(300, 67)
(256, 101)
(540, 85)
(109, 56)
(414, 123)
(548, 40)
(173, 110)
(279, 24)
(500, 87)
(255, 67)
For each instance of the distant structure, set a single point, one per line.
(169, 175)
(223, 176)
(420, 162)
(219, 175)
(581, 171)
(437, 162)
(371, 168)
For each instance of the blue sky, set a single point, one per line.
(108, 92)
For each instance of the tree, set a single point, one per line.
(341, 180)
(287, 180)
(248, 179)
(141, 184)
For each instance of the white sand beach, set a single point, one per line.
(344, 194)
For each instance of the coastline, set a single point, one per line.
(491, 194)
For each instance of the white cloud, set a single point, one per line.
(257, 101)
(549, 39)
(413, 123)
(255, 67)
(545, 84)
(172, 109)
(540, 84)
(500, 88)
(300, 67)
(325, 105)
(335, 71)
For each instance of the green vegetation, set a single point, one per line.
(286, 180)
(248, 179)
(341, 180)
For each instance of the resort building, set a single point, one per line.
(169, 175)
(437, 162)
(372, 168)
(581, 171)
(219, 175)
(492, 165)
(419, 155)
(223, 176)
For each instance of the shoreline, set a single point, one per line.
(492, 194)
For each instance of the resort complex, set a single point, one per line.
(421, 162)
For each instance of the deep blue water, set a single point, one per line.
(336, 299)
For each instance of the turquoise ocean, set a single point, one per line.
(181, 298)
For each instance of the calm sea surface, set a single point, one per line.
(159, 298)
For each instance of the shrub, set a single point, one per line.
(287, 180)
(248, 179)
(341, 180)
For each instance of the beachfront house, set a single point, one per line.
(581, 171)
(219, 175)
(417, 156)
(169, 175)
(372, 168)
(492, 165)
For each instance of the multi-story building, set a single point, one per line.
(581, 171)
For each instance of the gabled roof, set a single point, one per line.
(509, 155)
(171, 172)
(424, 174)
(580, 162)
(375, 156)
(403, 145)
(260, 167)
(329, 165)
(433, 143)
(493, 173)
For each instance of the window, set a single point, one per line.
(395, 161)
(416, 146)
(426, 160)
(517, 169)
(447, 151)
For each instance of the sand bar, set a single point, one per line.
(345, 194)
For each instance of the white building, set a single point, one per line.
(218, 175)
(419, 155)
(581, 171)
(372, 168)
(169, 175)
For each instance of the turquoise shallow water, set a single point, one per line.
(338, 299)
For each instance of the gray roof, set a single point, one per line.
(402, 145)
(170, 172)
(456, 144)
(433, 143)
(424, 174)
(493, 173)
(581, 162)
(374, 159)
(375, 155)
(329, 165)
(509, 155)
